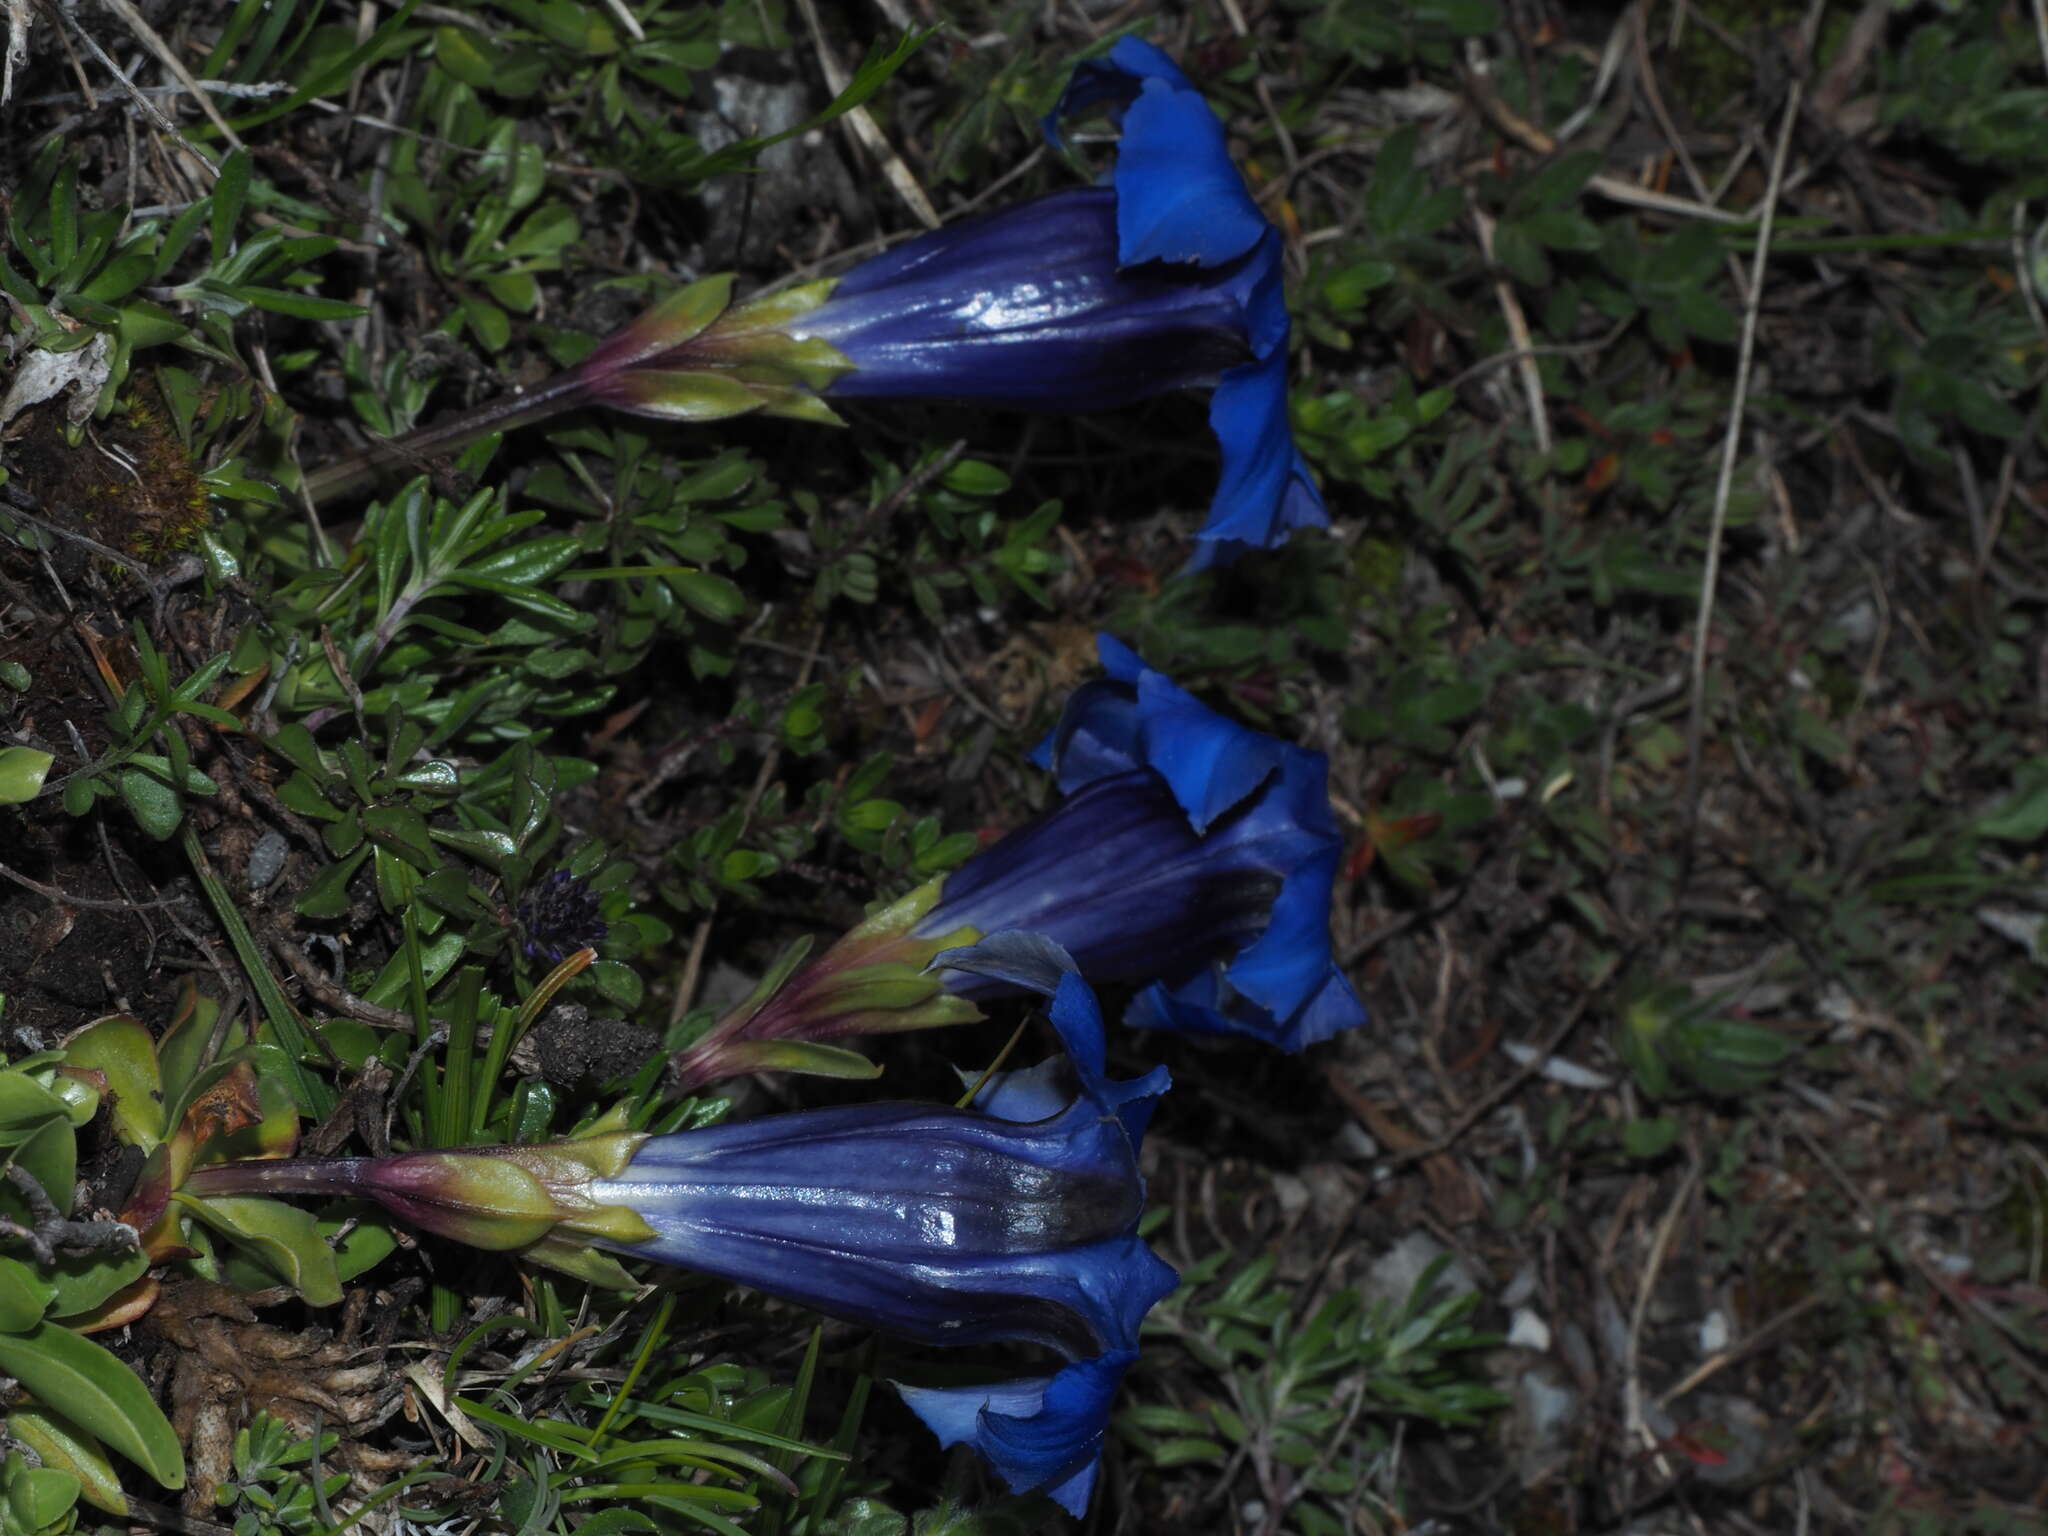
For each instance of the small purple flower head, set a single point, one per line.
(558, 917)
(1013, 1221)
(1191, 852)
(1168, 277)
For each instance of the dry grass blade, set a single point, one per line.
(1724, 485)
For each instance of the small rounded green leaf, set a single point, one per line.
(154, 804)
(713, 596)
(38, 1497)
(84, 1281)
(22, 771)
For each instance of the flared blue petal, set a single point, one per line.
(1178, 197)
(1040, 1433)
(1096, 737)
(1265, 491)
(1211, 762)
(1223, 901)
(1208, 1005)
(1110, 82)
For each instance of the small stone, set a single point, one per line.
(266, 859)
(1353, 1143)
(1714, 1332)
(1395, 1273)
(1528, 1331)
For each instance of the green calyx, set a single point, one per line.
(503, 1198)
(697, 356)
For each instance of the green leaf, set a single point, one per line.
(529, 563)
(83, 1281)
(971, 477)
(95, 1388)
(466, 56)
(37, 1497)
(22, 771)
(230, 191)
(367, 1245)
(154, 804)
(403, 831)
(24, 1296)
(492, 326)
(1650, 1138)
(2023, 817)
(284, 1239)
(124, 1052)
(25, 1107)
(50, 1155)
(711, 595)
(61, 1444)
(306, 306)
(327, 894)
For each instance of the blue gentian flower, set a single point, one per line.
(1191, 852)
(1166, 278)
(1011, 1221)
(1014, 1221)
(1191, 855)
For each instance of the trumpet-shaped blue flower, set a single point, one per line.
(1191, 854)
(1014, 1221)
(1166, 278)
(1011, 1221)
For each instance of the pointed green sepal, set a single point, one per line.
(486, 1202)
(899, 917)
(800, 405)
(683, 394)
(803, 1056)
(581, 1262)
(681, 317)
(773, 311)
